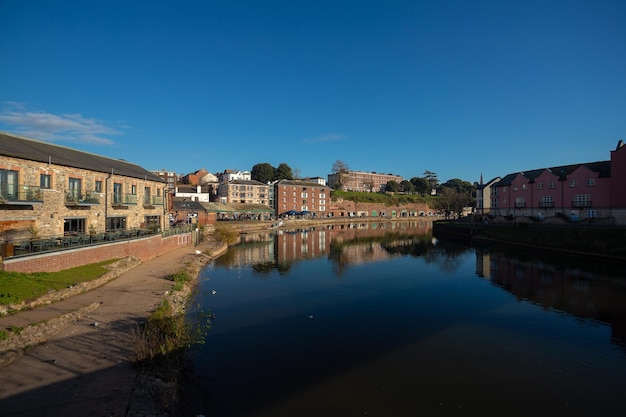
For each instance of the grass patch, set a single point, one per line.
(167, 333)
(16, 287)
(3, 335)
(180, 279)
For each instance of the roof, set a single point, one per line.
(296, 182)
(247, 182)
(603, 168)
(185, 204)
(237, 207)
(34, 150)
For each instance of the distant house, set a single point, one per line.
(483, 196)
(361, 181)
(232, 175)
(194, 178)
(301, 196)
(50, 190)
(243, 191)
(202, 193)
(583, 191)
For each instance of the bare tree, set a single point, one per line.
(340, 169)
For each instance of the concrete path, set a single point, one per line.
(85, 369)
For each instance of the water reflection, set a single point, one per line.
(384, 320)
(576, 289)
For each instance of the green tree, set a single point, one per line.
(283, 172)
(262, 172)
(451, 202)
(421, 185)
(392, 186)
(432, 179)
(407, 187)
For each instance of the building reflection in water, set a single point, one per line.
(347, 244)
(576, 290)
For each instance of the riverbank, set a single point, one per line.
(84, 363)
(606, 243)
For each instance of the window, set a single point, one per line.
(573, 183)
(8, 184)
(98, 186)
(133, 189)
(117, 193)
(523, 186)
(73, 226)
(44, 181)
(552, 184)
(519, 202)
(590, 182)
(116, 223)
(146, 195)
(546, 201)
(74, 189)
(540, 186)
(582, 200)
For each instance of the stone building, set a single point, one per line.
(361, 181)
(48, 190)
(243, 191)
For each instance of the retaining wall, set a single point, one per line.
(143, 248)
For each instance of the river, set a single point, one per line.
(381, 319)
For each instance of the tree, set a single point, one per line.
(283, 172)
(452, 202)
(432, 179)
(407, 187)
(422, 186)
(392, 186)
(369, 184)
(262, 172)
(340, 169)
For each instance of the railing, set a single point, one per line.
(125, 199)
(43, 244)
(20, 194)
(153, 200)
(581, 204)
(520, 204)
(546, 204)
(86, 198)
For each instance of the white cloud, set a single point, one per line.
(325, 138)
(56, 128)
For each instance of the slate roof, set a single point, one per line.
(34, 150)
(603, 168)
(297, 182)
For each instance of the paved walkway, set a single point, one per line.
(85, 369)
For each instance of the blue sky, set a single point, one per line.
(458, 88)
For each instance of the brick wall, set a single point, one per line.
(144, 249)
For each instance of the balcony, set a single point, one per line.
(520, 204)
(151, 201)
(78, 198)
(546, 204)
(123, 200)
(20, 195)
(581, 204)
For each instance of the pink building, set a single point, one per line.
(578, 192)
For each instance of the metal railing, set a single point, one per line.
(20, 194)
(43, 244)
(87, 198)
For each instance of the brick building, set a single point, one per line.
(583, 191)
(301, 196)
(49, 190)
